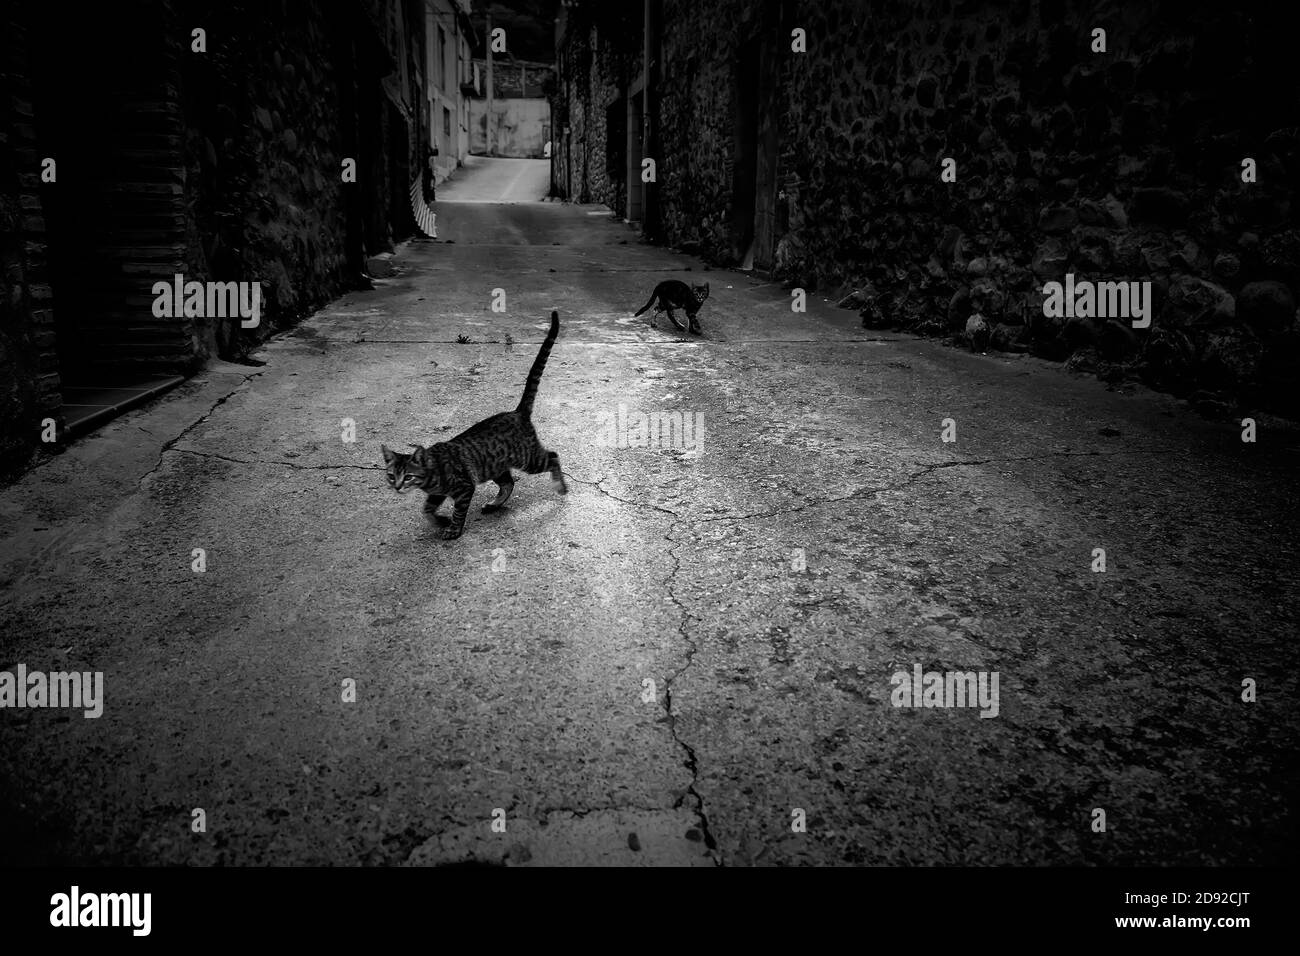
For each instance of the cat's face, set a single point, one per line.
(404, 471)
(432, 469)
(701, 292)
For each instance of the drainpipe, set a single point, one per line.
(489, 80)
(649, 125)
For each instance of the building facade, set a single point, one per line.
(212, 144)
(520, 112)
(449, 39)
(938, 163)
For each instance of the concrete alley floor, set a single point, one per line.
(505, 674)
(485, 179)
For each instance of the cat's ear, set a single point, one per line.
(389, 454)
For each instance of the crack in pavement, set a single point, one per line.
(924, 471)
(1118, 453)
(610, 808)
(370, 341)
(685, 617)
(599, 486)
(823, 341)
(286, 464)
(167, 446)
(691, 762)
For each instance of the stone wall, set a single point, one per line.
(1115, 165)
(514, 79)
(222, 163)
(595, 63)
(29, 379)
(1122, 165)
(268, 126)
(697, 103)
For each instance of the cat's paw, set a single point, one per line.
(489, 508)
(450, 534)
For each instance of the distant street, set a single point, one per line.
(497, 181)
(688, 658)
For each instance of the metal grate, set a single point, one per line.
(425, 217)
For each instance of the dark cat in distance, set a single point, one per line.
(673, 294)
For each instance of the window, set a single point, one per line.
(446, 121)
(444, 72)
(441, 65)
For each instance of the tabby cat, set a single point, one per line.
(488, 450)
(673, 294)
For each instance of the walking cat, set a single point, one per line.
(488, 450)
(673, 294)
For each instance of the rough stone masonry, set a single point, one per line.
(1165, 149)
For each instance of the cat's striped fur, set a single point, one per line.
(487, 451)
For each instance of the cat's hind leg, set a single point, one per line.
(505, 484)
(557, 475)
(544, 460)
(431, 506)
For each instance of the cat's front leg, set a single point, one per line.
(461, 499)
(431, 506)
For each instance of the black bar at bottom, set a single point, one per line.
(873, 905)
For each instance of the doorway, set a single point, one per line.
(745, 165)
(635, 187)
(754, 167)
(114, 217)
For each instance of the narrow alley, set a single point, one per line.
(691, 649)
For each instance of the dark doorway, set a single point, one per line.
(399, 174)
(765, 166)
(114, 215)
(616, 158)
(635, 187)
(745, 166)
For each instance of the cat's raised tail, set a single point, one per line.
(648, 304)
(539, 363)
